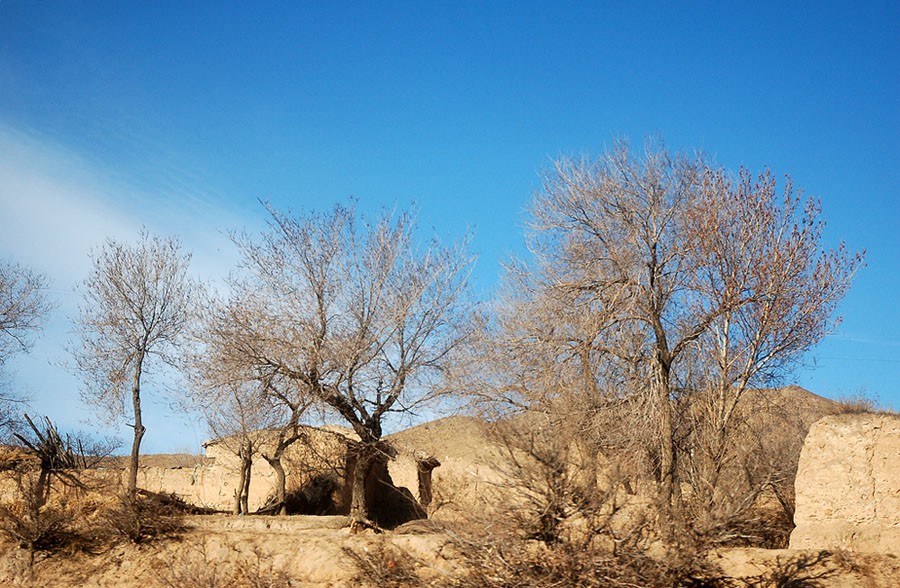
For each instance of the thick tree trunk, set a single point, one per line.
(138, 425)
(280, 482)
(359, 509)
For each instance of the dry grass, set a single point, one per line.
(860, 403)
(197, 567)
(143, 518)
(383, 566)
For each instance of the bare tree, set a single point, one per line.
(136, 310)
(23, 308)
(238, 415)
(241, 394)
(354, 314)
(658, 275)
(611, 235)
(765, 267)
(288, 433)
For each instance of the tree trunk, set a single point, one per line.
(667, 463)
(245, 491)
(241, 496)
(284, 441)
(138, 425)
(239, 491)
(280, 482)
(237, 495)
(359, 509)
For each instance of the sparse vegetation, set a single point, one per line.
(144, 517)
(47, 477)
(194, 567)
(860, 403)
(383, 565)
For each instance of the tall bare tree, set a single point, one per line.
(356, 314)
(136, 310)
(657, 274)
(23, 309)
(611, 232)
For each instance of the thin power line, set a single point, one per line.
(879, 359)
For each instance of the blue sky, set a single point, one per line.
(180, 115)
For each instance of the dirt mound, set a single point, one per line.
(455, 437)
(319, 552)
(468, 453)
(243, 551)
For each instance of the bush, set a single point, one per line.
(858, 403)
(194, 567)
(144, 517)
(384, 566)
(35, 522)
(45, 529)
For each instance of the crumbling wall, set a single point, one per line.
(848, 485)
(213, 484)
(208, 486)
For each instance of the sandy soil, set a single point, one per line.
(319, 552)
(214, 550)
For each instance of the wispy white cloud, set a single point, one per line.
(52, 206)
(56, 204)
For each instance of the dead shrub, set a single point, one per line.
(197, 567)
(797, 571)
(143, 517)
(31, 522)
(858, 403)
(568, 517)
(45, 475)
(384, 565)
(509, 561)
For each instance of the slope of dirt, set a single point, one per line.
(220, 551)
(319, 552)
(224, 550)
(797, 403)
(469, 438)
(455, 437)
(809, 568)
(469, 455)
